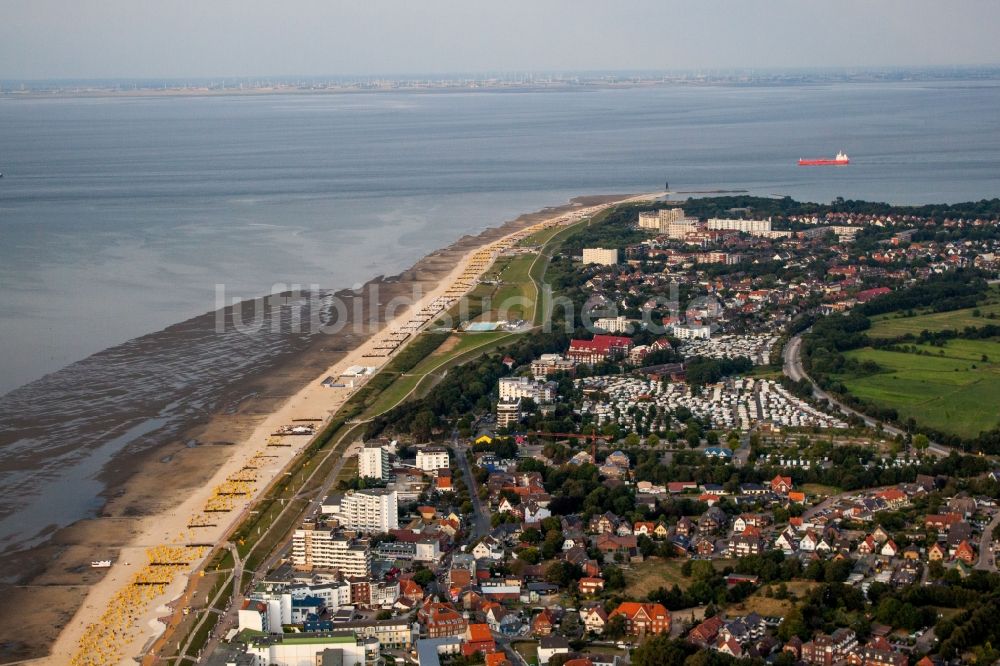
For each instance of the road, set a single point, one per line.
(792, 367)
(481, 522)
(987, 562)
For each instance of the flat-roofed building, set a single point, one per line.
(432, 458)
(370, 510)
(525, 387)
(549, 364)
(679, 229)
(314, 648)
(752, 227)
(318, 547)
(394, 633)
(373, 462)
(508, 412)
(649, 221)
(618, 324)
(600, 255)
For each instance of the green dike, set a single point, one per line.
(949, 388)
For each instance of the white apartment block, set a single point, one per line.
(374, 510)
(746, 226)
(315, 547)
(613, 324)
(335, 595)
(600, 255)
(650, 221)
(669, 221)
(373, 462)
(512, 388)
(508, 412)
(679, 229)
(432, 458)
(691, 332)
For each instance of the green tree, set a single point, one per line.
(793, 625)
(659, 650)
(614, 628)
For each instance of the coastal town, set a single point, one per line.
(664, 484)
(500, 334)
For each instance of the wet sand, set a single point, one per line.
(149, 492)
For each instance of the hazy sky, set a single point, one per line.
(213, 38)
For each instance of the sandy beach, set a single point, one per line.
(156, 504)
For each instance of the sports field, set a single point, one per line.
(952, 389)
(893, 325)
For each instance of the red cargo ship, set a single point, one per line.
(839, 160)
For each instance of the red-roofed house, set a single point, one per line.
(543, 623)
(497, 659)
(965, 553)
(478, 639)
(591, 585)
(441, 620)
(894, 497)
(642, 619)
(601, 348)
(781, 484)
(705, 633)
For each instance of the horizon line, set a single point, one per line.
(480, 74)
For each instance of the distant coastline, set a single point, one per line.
(479, 82)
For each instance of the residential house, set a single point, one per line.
(643, 619)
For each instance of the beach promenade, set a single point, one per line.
(125, 612)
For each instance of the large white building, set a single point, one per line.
(372, 510)
(600, 255)
(432, 458)
(669, 221)
(650, 221)
(613, 324)
(679, 229)
(317, 547)
(373, 462)
(746, 226)
(508, 412)
(512, 388)
(691, 332)
(310, 649)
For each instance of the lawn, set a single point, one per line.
(654, 573)
(515, 299)
(819, 489)
(893, 325)
(952, 390)
(758, 603)
(528, 650)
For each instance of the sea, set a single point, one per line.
(121, 217)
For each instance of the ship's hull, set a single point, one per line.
(822, 162)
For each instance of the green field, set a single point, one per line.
(893, 325)
(952, 390)
(517, 295)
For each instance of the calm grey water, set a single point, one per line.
(119, 216)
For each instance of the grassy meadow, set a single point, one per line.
(952, 389)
